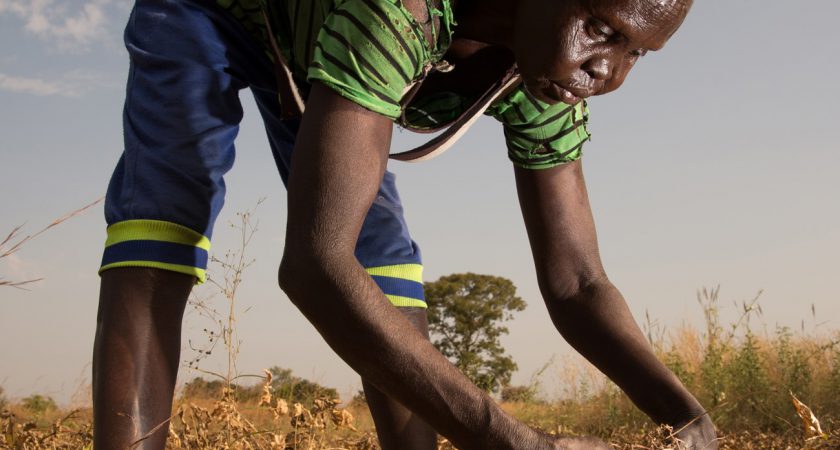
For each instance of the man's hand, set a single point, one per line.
(699, 434)
(580, 443)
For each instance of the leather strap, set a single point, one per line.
(459, 126)
(291, 103)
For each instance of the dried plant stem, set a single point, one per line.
(12, 243)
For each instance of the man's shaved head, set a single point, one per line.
(568, 50)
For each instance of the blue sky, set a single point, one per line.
(714, 164)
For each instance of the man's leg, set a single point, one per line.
(136, 355)
(397, 427)
(181, 115)
(393, 260)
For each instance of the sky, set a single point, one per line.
(713, 166)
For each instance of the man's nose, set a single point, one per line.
(598, 68)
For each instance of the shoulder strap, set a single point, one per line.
(291, 103)
(459, 126)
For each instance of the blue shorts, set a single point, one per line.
(189, 60)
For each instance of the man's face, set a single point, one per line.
(572, 49)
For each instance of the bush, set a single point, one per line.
(3, 401)
(199, 388)
(297, 390)
(359, 400)
(521, 394)
(283, 384)
(38, 404)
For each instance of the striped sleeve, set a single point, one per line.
(540, 135)
(369, 51)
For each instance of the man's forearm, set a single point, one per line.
(584, 306)
(359, 323)
(597, 318)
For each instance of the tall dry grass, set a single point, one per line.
(746, 375)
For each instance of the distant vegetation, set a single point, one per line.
(467, 315)
(284, 386)
(38, 404)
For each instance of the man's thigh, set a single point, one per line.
(188, 62)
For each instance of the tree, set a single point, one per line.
(466, 316)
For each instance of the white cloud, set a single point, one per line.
(34, 86)
(72, 84)
(73, 25)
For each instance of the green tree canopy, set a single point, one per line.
(466, 316)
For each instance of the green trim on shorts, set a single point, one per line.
(401, 283)
(156, 244)
(411, 272)
(155, 230)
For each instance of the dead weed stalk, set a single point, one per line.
(13, 242)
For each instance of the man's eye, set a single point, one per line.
(599, 30)
(638, 53)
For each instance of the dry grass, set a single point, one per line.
(13, 242)
(752, 383)
(275, 425)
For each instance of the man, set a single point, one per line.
(349, 263)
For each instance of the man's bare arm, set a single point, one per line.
(338, 162)
(586, 308)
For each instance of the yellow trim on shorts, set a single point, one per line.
(411, 272)
(404, 302)
(155, 230)
(199, 274)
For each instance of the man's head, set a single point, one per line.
(571, 49)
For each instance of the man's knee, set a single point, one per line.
(298, 277)
(135, 290)
(418, 318)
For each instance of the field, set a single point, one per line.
(748, 381)
(769, 390)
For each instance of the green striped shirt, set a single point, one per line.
(373, 51)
